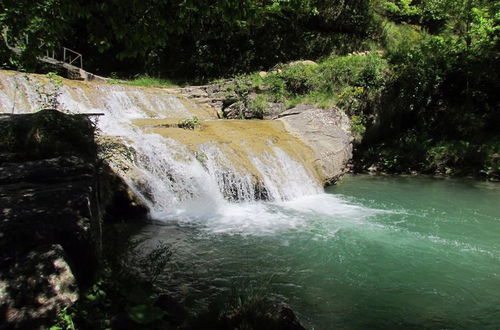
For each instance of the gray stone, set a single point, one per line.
(50, 228)
(304, 62)
(273, 110)
(214, 96)
(294, 111)
(195, 92)
(234, 111)
(37, 287)
(327, 133)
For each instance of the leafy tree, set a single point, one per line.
(197, 37)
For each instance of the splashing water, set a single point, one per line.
(342, 261)
(175, 182)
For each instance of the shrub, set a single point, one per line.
(356, 70)
(299, 79)
(275, 87)
(358, 127)
(258, 106)
(350, 98)
(189, 123)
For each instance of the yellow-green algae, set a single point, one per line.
(93, 91)
(238, 139)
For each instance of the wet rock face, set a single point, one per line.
(50, 219)
(327, 132)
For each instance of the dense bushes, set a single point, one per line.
(428, 102)
(408, 154)
(351, 81)
(440, 99)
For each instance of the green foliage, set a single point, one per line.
(146, 81)
(410, 154)
(352, 82)
(400, 36)
(349, 97)
(124, 287)
(275, 87)
(491, 164)
(145, 314)
(156, 261)
(247, 306)
(258, 106)
(400, 10)
(357, 70)
(186, 38)
(299, 79)
(54, 79)
(64, 320)
(33, 27)
(436, 112)
(189, 123)
(358, 127)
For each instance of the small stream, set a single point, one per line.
(372, 252)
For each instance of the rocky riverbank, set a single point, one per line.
(51, 219)
(55, 194)
(327, 132)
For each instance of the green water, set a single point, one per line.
(374, 252)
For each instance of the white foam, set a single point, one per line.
(271, 218)
(175, 185)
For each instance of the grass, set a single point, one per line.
(346, 81)
(146, 81)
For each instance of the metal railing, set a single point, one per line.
(70, 57)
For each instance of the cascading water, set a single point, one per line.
(174, 181)
(418, 253)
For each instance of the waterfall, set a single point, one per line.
(173, 176)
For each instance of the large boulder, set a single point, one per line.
(34, 288)
(50, 228)
(327, 132)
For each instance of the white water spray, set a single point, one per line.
(174, 182)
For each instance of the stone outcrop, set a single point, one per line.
(326, 132)
(212, 96)
(50, 218)
(119, 200)
(39, 284)
(226, 103)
